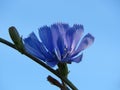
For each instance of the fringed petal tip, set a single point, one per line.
(78, 26)
(90, 36)
(86, 42)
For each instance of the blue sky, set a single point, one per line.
(100, 66)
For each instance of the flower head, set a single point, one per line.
(58, 43)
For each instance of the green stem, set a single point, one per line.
(64, 85)
(67, 81)
(63, 70)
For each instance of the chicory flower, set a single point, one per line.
(58, 43)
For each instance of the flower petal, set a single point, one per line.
(59, 30)
(61, 46)
(77, 58)
(46, 53)
(55, 34)
(32, 46)
(73, 36)
(57, 54)
(52, 63)
(86, 42)
(63, 28)
(59, 36)
(34, 52)
(46, 37)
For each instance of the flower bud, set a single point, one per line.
(54, 81)
(16, 38)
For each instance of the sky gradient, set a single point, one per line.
(100, 66)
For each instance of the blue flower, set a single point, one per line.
(58, 43)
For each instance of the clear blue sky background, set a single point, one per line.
(100, 67)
